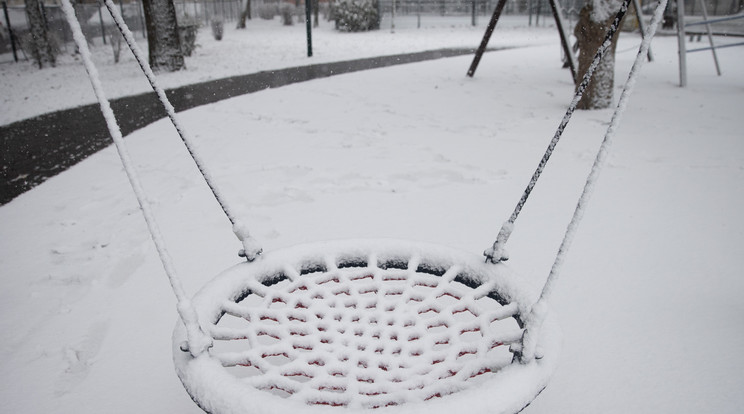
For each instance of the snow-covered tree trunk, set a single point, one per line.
(246, 14)
(316, 8)
(163, 40)
(41, 46)
(595, 19)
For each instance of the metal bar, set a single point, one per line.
(557, 13)
(710, 37)
(473, 21)
(309, 27)
(717, 47)
(681, 47)
(642, 26)
(722, 19)
(486, 37)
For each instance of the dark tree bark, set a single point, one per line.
(41, 46)
(590, 35)
(246, 14)
(163, 41)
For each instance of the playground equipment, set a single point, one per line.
(681, 32)
(397, 326)
(560, 25)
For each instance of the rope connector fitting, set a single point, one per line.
(497, 253)
(249, 256)
(251, 249)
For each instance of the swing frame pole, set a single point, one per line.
(642, 26)
(557, 14)
(710, 37)
(486, 37)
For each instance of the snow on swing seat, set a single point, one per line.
(380, 325)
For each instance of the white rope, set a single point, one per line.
(198, 341)
(497, 253)
(538, 310)
(251, 248)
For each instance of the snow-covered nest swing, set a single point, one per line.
(389, 326)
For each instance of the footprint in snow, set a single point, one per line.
(125, 268)
(80, 357)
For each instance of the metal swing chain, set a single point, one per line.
(534, 319)
(496, 253)
(198, 341)
(251, 249)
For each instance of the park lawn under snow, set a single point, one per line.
(263, 45)
(649, 300)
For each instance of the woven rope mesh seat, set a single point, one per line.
(376, 324)
(360, 326)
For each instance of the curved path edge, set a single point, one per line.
(36, 149)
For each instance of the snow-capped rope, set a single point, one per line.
(251, 249)
(534, 320)
(198, 341)
(496, 253)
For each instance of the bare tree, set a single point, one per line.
(316, 8)
(246, 14)
(595, 19)
(163, 40)
(40, 43)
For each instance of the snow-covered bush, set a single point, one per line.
(218, 28)
(188, 27)
(287, 12)
(115, 38)
(355, 15)
(268, 11)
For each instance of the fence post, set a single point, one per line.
(309, 27)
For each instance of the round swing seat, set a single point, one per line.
(383, 326)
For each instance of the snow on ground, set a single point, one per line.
(649, 301)
(264, 45)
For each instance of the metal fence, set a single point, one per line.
(97, 24)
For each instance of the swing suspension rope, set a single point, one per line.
(534, 319)
(497, 253)
(251, 249)
(198, 341)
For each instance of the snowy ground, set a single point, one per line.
(264, 45)
(649, 301)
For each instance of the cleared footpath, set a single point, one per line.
(36, 149)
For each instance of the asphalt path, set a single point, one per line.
(36, 149)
